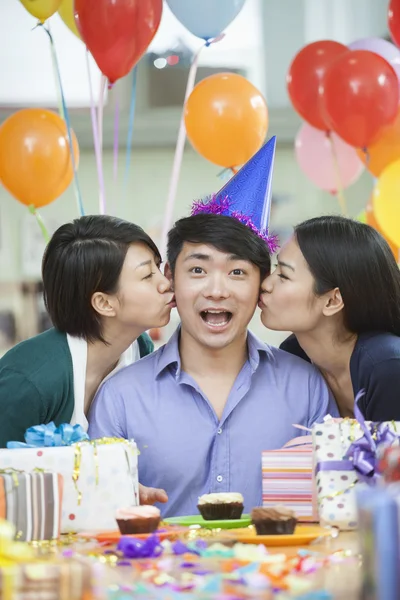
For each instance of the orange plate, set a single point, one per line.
(304, 534)
(113, 537)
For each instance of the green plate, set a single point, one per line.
(187, 521)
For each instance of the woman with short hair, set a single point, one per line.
(336, 286)
(103, 289)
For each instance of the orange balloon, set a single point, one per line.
(35, 159)
(385, 150)
(226, 119)
(371, 220)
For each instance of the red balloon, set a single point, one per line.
(394, 21)
(305, 76)
(117, 32)
(360, 95)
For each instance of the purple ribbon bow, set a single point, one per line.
(362, 454)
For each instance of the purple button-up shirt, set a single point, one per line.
(184, 447)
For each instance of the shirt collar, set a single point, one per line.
(257, 349)
(169, 354)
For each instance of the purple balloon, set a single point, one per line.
(388, 51)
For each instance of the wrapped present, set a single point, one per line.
(99, 475)
(389, 464)
(47, 580)
(345, 456)
(287, 479)
(378, 515)
(26, 576)
(33, 503)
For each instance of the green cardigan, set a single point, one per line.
(37, 383)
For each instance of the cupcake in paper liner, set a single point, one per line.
(138, 519)
(223, 506)
(277, 520)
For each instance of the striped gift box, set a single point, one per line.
(99, 477)
(287, 479)
(48, 578)
(32, 502)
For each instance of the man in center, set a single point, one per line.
(204, 407)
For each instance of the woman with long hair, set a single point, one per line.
(336, 286)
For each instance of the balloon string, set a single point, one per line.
(65, 115)
(129, 137)
(222, 174)
(100, 120)
(367, 157)
(339, 191)
(54, 62)
(116, 143)
(40, 222)
(96, 143)
(100, 112)
(180, 147)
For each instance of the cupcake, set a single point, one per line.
(276, 520)
(138, 519)
(222, 506)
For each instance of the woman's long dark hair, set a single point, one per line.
(355, 258)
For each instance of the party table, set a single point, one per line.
(344, 541)
(338, 579)
(342, 580)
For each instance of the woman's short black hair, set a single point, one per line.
(226, 234)
(355, 258)
(84, 257)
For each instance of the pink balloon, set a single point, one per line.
(316, 158)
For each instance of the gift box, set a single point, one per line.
(33, 503)
(99, 475)
(389, 464)
(287, 479)
(28, 575)
(345, 457)
(46, 580)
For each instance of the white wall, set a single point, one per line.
(145, 198)
(291, 24)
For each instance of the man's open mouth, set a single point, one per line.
(216, 318)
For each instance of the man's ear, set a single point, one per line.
(168, 273)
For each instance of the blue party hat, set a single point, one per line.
(247, 196)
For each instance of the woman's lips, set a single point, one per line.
(172, 303)
(261, 303)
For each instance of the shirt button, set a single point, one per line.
(219, 478)
(219, 431)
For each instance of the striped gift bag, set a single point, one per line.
(33, 503)
(287, 479)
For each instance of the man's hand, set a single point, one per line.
(149, 495)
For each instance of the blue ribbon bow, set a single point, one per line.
(50, 436)
(362, 454)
